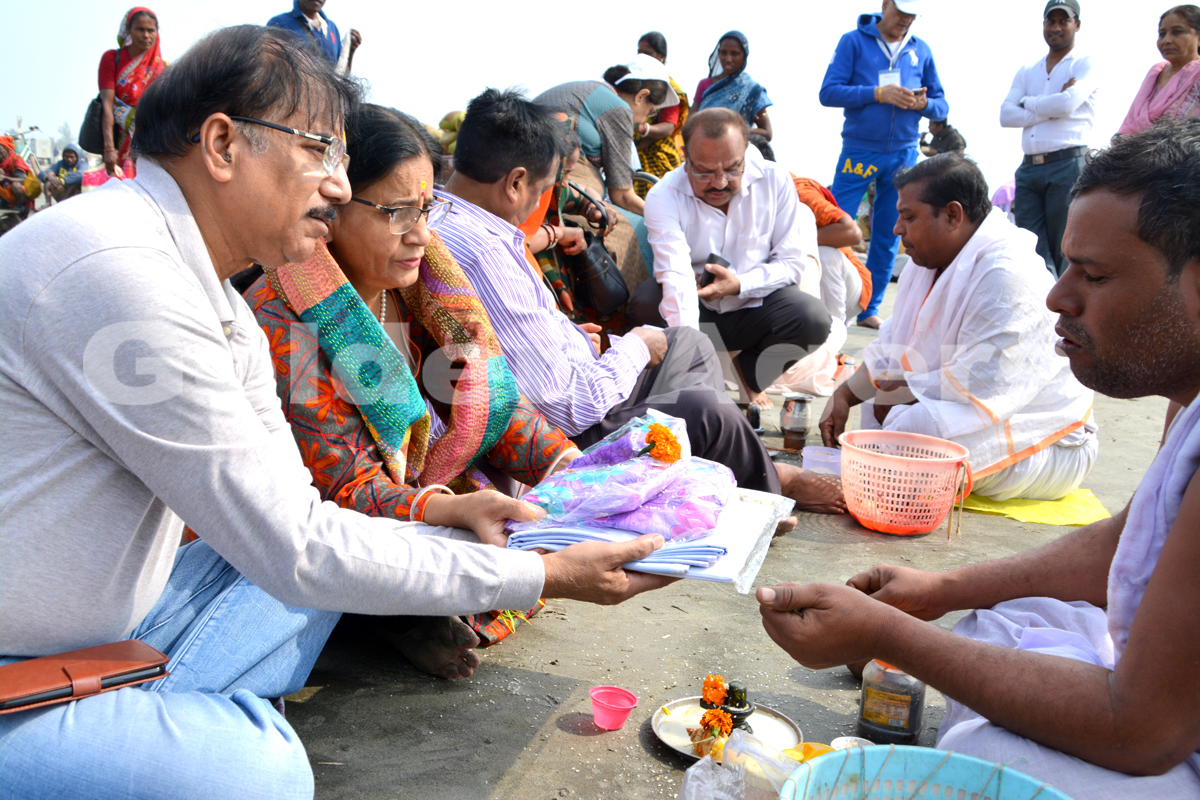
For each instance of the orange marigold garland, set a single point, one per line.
(714, 690)
(661, 444)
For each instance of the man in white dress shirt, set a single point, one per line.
(730, 202)
(1054, 100)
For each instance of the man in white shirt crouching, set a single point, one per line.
(727, 201)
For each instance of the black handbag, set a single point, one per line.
(91, 138)
(598, 282)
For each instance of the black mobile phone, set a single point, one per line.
(709, 277)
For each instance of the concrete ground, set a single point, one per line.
(377, 729)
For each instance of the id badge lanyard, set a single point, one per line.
(891, 75)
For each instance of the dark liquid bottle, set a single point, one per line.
(891, 706)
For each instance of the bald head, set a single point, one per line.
(714, 123)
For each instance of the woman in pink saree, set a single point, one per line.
(1171, 88)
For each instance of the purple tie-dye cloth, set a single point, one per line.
(610, 486)
(687, 509)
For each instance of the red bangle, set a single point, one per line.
(416, 511)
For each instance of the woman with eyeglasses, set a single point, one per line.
(393, 380)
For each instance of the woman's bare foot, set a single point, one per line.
(785, 526)
(440, 646)
(872, 321)
(812, 491)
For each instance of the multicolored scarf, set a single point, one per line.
(376, 377)
(139, 73)
(738, 91)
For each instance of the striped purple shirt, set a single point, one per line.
(551, 357)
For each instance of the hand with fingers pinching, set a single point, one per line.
(823, 625)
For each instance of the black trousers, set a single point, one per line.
(786, 327)
(689, 384)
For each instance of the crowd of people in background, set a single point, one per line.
(579, 259)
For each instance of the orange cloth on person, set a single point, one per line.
(827, 212)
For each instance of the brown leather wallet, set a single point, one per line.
(79, 673)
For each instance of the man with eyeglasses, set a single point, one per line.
(138, 394)
(729, 202)
(507, 155)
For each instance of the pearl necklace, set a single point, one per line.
(382, 307)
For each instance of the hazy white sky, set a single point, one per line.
(430, 58)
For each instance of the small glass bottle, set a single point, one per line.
(892, 705)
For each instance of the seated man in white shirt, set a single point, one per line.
(968, 353)
(507, 155)
(730, 202)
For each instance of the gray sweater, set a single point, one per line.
(137, 392)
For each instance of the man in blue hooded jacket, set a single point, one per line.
(885, 79)
(64, 178)
(309, 22)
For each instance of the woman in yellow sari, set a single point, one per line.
(658, 140)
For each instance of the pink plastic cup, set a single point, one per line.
(611, 706)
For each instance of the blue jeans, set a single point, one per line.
(1041, 203)
(204, 731)
(855, 171)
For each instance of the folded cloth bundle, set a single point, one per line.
(640, 478)
(673, 558)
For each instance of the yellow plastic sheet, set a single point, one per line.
(1080, 507)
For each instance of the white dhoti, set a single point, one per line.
(841, 285)
(1070, 630)
(1049, 474)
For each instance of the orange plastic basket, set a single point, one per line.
(901, 483)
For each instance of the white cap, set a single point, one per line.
(909, 6)
(649, 68)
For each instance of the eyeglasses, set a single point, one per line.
(402, 218)
(712, 177)
(335, 153)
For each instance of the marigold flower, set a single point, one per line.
(662, 444)
(717, 721)
(714, 690)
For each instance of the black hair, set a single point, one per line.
(658, 89)
(1190, 14)
(378, 139)
(764, 147)
(713, 123)
(245, 70)
(148, 13)
(657, 42)
(503, 131)
(1161, 164)
(948, 177)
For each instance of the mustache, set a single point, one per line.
(1075, 331)
(326, 212)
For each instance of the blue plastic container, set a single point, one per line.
(898, 772)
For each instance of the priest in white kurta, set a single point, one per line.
(968, 355)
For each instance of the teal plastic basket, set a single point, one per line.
(910, 773)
